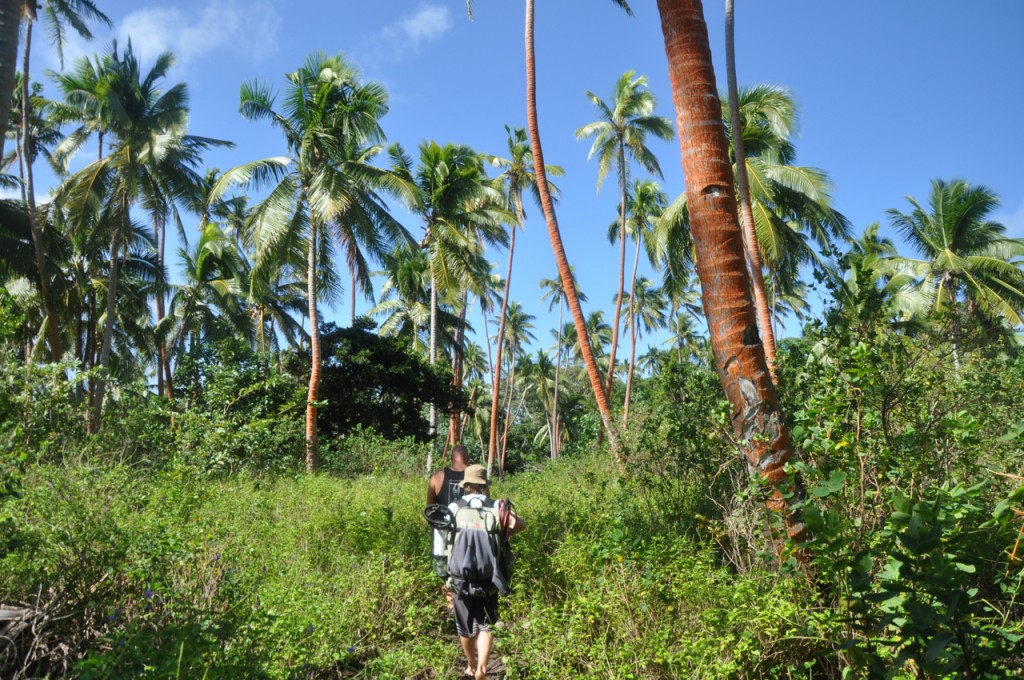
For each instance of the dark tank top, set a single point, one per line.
(450, 489)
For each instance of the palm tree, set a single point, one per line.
(721, 261)
(620, 136)
(150, 149)
(405, 296)
(967, 262)
(645, 205)
(747, 213)
(85, 89)
(554, 234)
(647, 313)
(60, 14)
(517, 174)
(326, 193)
(791, 205)
(554, 291)
(212, 291)
(460, 209)
(517, 334)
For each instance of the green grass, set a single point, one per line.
(169, 574)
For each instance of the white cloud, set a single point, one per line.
(222, 28)
(241, 29)
(428, 24)
(1014, 222)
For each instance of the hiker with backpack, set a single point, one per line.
(479, 564)
(443, 490)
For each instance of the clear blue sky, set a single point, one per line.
(891, 94)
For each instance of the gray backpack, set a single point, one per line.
(474, 562)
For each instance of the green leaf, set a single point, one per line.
(937, 646)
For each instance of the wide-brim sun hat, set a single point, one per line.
(475, 475)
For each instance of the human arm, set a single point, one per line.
(434, 486)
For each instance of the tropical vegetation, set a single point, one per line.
(206, 472)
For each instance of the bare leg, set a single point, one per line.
(483, 653)
(469, 649)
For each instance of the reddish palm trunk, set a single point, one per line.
(750, 244)
(312, 434)
(492, 445)
(569, 286)
(721, 265)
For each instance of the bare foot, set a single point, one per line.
(480, 674)
(470, 672)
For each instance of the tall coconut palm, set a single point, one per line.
(645, 205)
(967, 263)
(721, 261)
(85, 88)
(461, 210)
(791, 205)
(59, 14)
(647, 314)
(555, 235)
(516, 174)
(747, 212)
(554, 292)
(518, 327)
(326, 189)
(620, 136)
(148, 126)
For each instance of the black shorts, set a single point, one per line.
(475, 614)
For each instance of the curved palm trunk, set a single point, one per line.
(10, 20)
(622, 269)
(632, 338)
(721, 263)
(750, 244)
(27, 154)
(312, 433)
(492, 445)
(569, 286)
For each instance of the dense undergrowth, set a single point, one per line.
(203, 552)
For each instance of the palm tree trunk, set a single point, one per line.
(352, 316)
(312, 432)
(508, 408)
(433, 360)
(564, 272)
(750, 243)
(161, 345)
(27, 153)
(10, 20)
(632, 336)
(89, 358)
(108, 325)
(721, 262)
(622, 269)
(555, 441)
(455, 417)
(496, 371)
